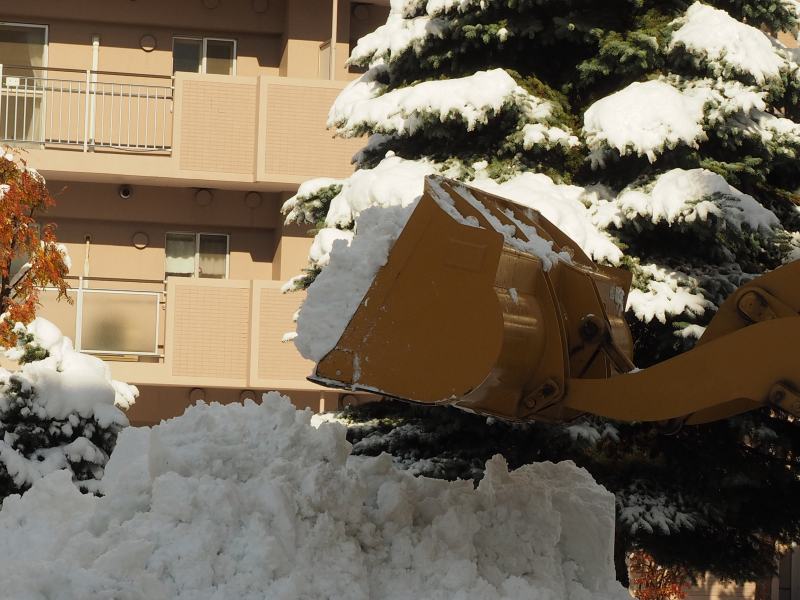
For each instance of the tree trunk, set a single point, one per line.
(620, 562)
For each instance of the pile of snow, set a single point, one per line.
(713, 35)
(250, 502)
(687, 196)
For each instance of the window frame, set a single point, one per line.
(204, 50)
(197, 235)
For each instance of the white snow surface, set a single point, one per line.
(321, 247)
(396, 36)
(667, 294)
(687, 196)
(65, 383)
(646, 117)
(394, 181)
(252, 501)
(70, 381)
(714, 35)
(364, 104)
(530, 241)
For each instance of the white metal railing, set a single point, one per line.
(92, 109)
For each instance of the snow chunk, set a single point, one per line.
(320, 252)
(691, 331)
(337, 291)
(714, 35)
(667, 294)
(534, 245)
(562, 205)
(393, 182)
(395, 37)
(251, 501)
(646, 117)
(687, 196)
(365, 106)
(70, 381)
(643, 511)
(535, 134)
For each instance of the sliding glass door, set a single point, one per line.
(23, 55)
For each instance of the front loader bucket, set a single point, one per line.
(457, 315)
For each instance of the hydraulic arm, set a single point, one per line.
(461, 315)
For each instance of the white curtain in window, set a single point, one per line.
(213, 256)
(180, 252)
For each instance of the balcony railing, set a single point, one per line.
(88, 109)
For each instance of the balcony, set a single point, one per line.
(262, 133)
(185, 331)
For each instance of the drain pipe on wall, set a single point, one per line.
(86, 259)
(334, 27)
(95, 64)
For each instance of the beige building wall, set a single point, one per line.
(275, 37)
(224, 155)
(712, 589)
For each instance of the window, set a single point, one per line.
(204, 55)
(197, 255)
(23, 50)
(23, 46)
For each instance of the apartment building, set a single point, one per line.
(170, 134)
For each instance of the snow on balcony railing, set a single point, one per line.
(92, 109)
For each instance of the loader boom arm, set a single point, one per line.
(465, 312)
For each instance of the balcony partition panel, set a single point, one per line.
(119, 322)
(92, 109)
(109, 316)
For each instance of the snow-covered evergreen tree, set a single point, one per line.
(663, 138)
(60, 410)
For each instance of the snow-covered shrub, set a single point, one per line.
(60, 410)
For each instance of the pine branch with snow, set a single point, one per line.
(662, 137)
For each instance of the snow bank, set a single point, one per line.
(725, 42)
(251, 502)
